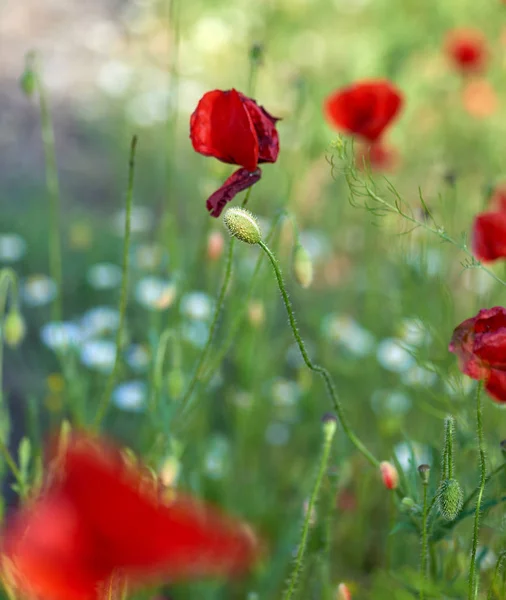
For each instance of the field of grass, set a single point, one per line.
(221, 403)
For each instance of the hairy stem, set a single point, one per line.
(104, 403)
(425, 543)
(329, 383)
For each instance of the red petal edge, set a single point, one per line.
(239, 181)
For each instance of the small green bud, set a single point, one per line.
(302, 266)
(27, 82)
(242, 225)
(424, 472)
(450, 498)
(329, 425)
(14, 328)
(175, 383)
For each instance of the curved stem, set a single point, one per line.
(299, 560)
(217, 311)
(329, 383)
(473, 587)
(498, 567)
(161, 351)
(104, 403)
(53, 189)
(425, 544)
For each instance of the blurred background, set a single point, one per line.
(379, 313)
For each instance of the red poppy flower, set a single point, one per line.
(234, 129)
(99, 517)
(480, 346)
(365, 108)
(379, 156)
(489, 236)
(467, 50)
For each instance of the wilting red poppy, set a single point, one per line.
(480, 346)
(234, 129)
(99, 518)
(364, 109)
(467, 50)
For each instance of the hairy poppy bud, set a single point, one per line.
(343, 592)
(242, 225)
(302, 266)
(424, 471)
(450, 499)
(389, 475)
(14, 328)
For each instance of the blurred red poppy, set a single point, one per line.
(365, 109)
(489, 236)
(379, 156)
(467, 50)
(480, 346)
(480, 98)
(234, 129)
(99, 517)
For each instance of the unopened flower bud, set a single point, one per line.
(14, 328)
(27, 81)
(215, 245)
(424, 472)
(329, 425)
(450, 499)
(389, 475)
(343, 592)
(242, 225)
(302, 266)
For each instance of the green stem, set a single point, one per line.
(425, 544)
(161, 351)
(329, 383)
(495, 472)
(104, 403)
(53, 189)
(329, 430)
(497, 570)
(473, 586)
(217, 312)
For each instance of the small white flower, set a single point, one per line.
(130, 396)
(12, 247)
(60, 335)
(197, 306)
(155, 293)
(98, 355)
(104, 276)
(393, 356)
(38, 290)
(99, 321)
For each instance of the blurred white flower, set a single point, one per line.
(216, 460)
(349, 334)
(104, 276)
(130, 396)
(12, 247)
(137, 357)
(195, 332)
(316, 244)
(414, 333)
(38, 290)
(411, 456)
(277, 434)
(115, 77)
(419, 377)
(285, 392)
(197, 306)
(390, 401)
(60, 335)
(141, 220)
(99, 321)
(393, 356)
(98, 355)
(155, 293)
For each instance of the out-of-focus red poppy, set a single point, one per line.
(489, 236)
(467, 50)
(498, 198)
(99, 518)
(365, 109)
(480, 346)
(479, 98)
(379, 156)
(234, 129)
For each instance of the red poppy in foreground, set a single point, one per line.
(489, 229)
(99, 518)
(365, 109)
(480, 346)
(467, 50)
(234, 129)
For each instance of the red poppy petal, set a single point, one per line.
(237, 182)
(496, 385)
(139, 534)
(221, 127)
(490, 347)
(489, 236)
(265, 129)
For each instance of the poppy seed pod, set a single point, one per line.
(450, 499)
(14, 328)
(242, 225)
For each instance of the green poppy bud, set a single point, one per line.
(450, 499)
(242, 225)
(14, 328)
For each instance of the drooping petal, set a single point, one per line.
(239, 181)
(496, 385)
(489, 236)
(265, 129)
(222, 127)
(462, 345)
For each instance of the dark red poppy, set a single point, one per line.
(480, 346)
(99, 519)
(365, 109)
(489, 236)
(379, 156)
(467, 50)
(234, 129)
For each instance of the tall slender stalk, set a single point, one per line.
(473, 584)
(104, 403)
(53, 189)
(425, 543)
(329, 383)
(329, 429)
